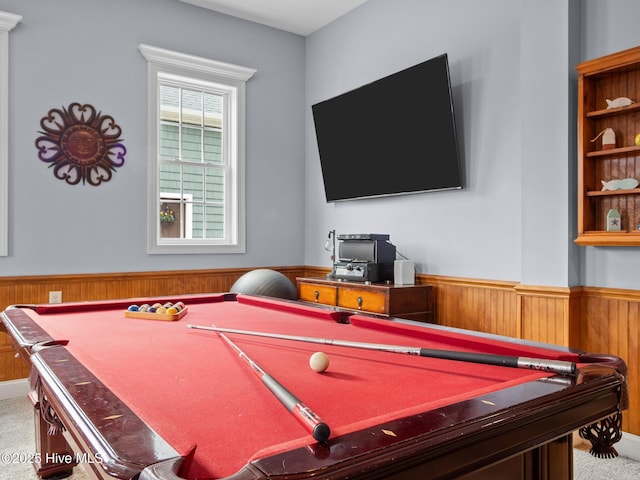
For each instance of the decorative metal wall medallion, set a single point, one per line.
(80, 144)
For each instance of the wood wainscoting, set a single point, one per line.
(601, 320)
(610, 323)
(480, 305)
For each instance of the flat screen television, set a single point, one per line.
(393, 136)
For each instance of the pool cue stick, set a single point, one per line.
(553, 366)
(312, 422)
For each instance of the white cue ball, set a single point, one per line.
(319, 362)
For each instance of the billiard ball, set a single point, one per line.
(133, 308)
(319, 362)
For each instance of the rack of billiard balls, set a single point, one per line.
(157, 311)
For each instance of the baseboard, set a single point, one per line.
(629, 446)
(14, 388)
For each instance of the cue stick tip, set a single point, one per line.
(321, 432)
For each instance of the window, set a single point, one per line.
(196, 154)
(7, 22)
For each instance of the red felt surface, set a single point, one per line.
(192, 388)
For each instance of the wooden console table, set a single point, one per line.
(413, 302)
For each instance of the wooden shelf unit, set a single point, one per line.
(412, 302)
(609, 77)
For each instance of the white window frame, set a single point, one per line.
(232, 78)
(7, 22)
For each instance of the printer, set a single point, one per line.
(364, 257)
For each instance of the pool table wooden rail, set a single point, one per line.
(442, 443)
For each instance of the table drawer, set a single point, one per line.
(324, 294)
(367, 301)
(413, 302)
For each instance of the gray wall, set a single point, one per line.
(512, 68)
(514, 90)
(86, 51)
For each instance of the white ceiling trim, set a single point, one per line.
(297, 16)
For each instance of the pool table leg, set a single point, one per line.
(559, 461)
(51, 448)
(551, 461)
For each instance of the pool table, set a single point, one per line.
(153, 399)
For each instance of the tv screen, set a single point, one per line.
(394, 136)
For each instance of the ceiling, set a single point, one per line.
(298, 16)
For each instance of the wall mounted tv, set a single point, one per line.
(394, 136)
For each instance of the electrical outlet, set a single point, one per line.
(55, 297)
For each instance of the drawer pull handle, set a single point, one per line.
(359, 303)
(317, 295)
